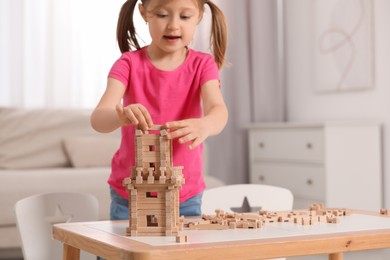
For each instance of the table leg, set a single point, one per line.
(336, 256)
(71, 253)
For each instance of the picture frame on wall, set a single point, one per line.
(343, 45)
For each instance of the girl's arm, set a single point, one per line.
(110, 115)
(215, 117)
(104, 118)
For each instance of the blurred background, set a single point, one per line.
(296, 61)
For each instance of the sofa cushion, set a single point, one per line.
(91, 150)
(32, 138)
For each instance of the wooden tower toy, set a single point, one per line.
(153, 186)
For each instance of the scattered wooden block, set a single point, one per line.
(181, 239)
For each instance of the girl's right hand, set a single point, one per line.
(134, 114)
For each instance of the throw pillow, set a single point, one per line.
(90, 151)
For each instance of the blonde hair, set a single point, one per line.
(127, 36)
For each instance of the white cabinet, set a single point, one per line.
(338, 164)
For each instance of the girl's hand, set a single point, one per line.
(189, 130)
(134, 114)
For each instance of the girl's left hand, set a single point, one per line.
(189, 130)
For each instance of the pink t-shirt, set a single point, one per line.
(168, 96)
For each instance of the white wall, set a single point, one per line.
(304, 104)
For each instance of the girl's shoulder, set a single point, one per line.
(130, 55)
(201, 57)
(128, 60)
(200, 54)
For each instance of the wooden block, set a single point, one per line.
(149, 137)
(133, 202)
(150, 157)
(333, 220)
(126, 181)
(306, 221)
(232, 225)
(209, 227)
(138, 132)
(155, 128)
(181, 239)
(138, 180)
(348, 212)
(150, 179)
(162, 180)
(151, 230)
(153, 206)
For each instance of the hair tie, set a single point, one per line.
(128, 39)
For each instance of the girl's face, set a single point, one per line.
(172, 23)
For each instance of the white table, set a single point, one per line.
(359, 231)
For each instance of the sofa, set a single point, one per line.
(49, 150)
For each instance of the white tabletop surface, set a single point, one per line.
(352, 223)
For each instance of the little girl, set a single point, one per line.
(164, 83)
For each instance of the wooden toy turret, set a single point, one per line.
(153, 186)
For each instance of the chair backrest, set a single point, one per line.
(246, 198)
(35, 216)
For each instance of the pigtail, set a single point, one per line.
(125, 32)
(218, 37)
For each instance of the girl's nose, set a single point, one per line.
(173, 23)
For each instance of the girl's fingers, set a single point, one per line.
(131, 116)
(181, 133)
(138, 115)
(146, 116)
(195, 143)
(121, 115)
(176, 124)
(186, 138)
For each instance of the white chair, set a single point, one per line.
(35, 216)
(246, 198)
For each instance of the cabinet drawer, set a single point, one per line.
(287, 144)
(304, 181)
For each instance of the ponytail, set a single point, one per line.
(218, 37)
(125, 32)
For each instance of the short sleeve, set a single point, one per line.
(121, 69)
(209, 70)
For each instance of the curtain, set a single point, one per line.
(252, 83)
(56, 53)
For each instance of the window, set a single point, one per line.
(151, 221)
(151, 194)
